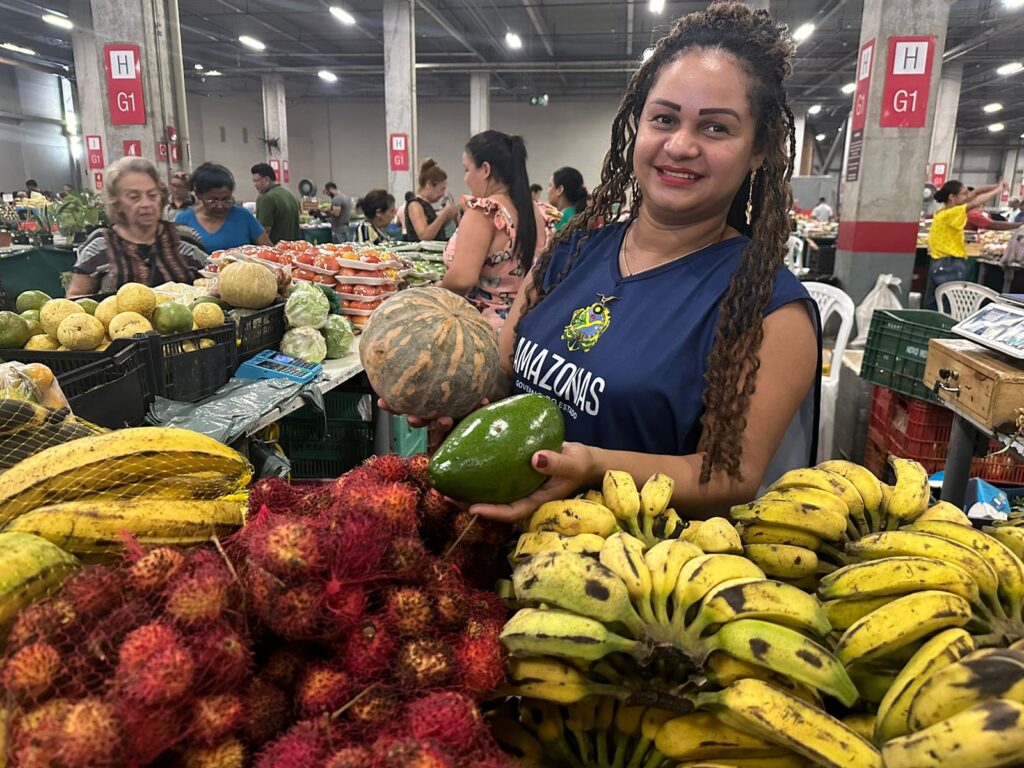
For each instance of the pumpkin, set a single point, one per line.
(430, 353)
(246, 285)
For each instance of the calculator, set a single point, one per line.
(270, 364)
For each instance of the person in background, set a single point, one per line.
(378, 207)
(535, 190)
(978, 220)
(140, 247)
(422, 222)
(276, 208)
(822, 211)
(400, 213)
(1016, 210)
(340, 212)
(66, 190)
(567, 193)
(34, 193)
(180, 197)
(501, 231)
(220, 223)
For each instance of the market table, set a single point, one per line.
(987, 274)
(26, 268)
(962, 440)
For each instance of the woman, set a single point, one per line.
(220, 223)
(140, 247)
(677, 341)
(567, 193)
(180, 198)
(422, 222)
(501, 230)
(378, 207)
(946, 237)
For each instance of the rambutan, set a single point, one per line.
(94, 591)
(396, 506)
(266, 710)
(38, 727)
(448, 719)
(296, 613)
(361, 478)
(40, 621)
(373, 708)
(324, 688)
(425, 663)
(216, 717)
(409, 753)
(487, 607)
(442, 575)
(153, 665)
(227, 754)
(262, 589)
(390, 467)
(435, 510)
(418, 468)
(90, 735)
(222, 657)
(31, 671)
(409, 611)
(345, 603)
(349, 757)
(283, 667)
(368, 651)
(303, 746)
(405, 558)
(481, 662)
(451, 608)
(149, 731)
(287, 547)
(355, 542)
(274, 493)
(474, 529)
(199, 596)
(154, 569)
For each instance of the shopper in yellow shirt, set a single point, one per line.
(946, 237)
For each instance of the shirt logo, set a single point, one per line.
(588, 324)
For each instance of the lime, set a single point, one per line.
(89, 305)
(13, 331)
(172, 318)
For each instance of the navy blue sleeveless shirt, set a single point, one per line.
(625, 357)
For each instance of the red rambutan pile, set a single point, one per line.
(409, 611)
(31, 671)
(283, 667)
(229, 753)
(391, 467)
(274, 493)
(373, 708)
(323, 688)
(481, 662)
(425, 663)
(216, 717)
(199, 595)
(154, 569)
(265, 711)
(354, 541)
(406, 559)
(34, 732)
(303, 746)
(296, 614)
(94, 591)
(344, 603)
(409, 753)
(154, 666)
(223, 658)
(417, 467)
(41, 621)
(149, 731)
(448, 719)
(368, 651)
(90, 736)
(436, 512)
(349, 757)
(287, 547)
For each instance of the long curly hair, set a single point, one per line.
(765, 50)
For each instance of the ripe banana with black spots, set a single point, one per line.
(664, 562)
(570, 517)
(943, 510)
(701, 574)
(1011, 536)
(842, 613)
(755, 707)
(535, 542)
(806, 509)
(897, 576)
(545, 720)
(868, 486)
(624, 556)
(861, 723)
(621, 496)
(873, 683)
(911, 495)
(783, 561)
(517, 741)
(762, 599)
(831, 482)
(554, 681)
(702, 736)
(722, 669)
(901, 622)
(762, 533)
(656, 495)
(551, 632)
(718, 535)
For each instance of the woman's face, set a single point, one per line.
(478, 178)
(382, 218)
(556, 195)
(434, 192)
(695, 139)
(217, 202)
(178, 188)
(139, 199)
(960, 198)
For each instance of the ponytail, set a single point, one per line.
(571, 182)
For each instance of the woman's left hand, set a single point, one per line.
(566, 471)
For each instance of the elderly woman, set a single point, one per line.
(140, 247)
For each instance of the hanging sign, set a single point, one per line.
(860, 110)
(284, 171)
(938, 174)
(123, 67)
(398, 152)
(908, 77)
(132, 147)
(276, 165)
(97, 180)
(176, 154)
(161, 151)
(94, 152)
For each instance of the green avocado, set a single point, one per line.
(487, 458)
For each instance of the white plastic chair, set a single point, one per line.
(964, 298)
(831, 300)
(795, 256)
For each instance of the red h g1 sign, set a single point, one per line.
(94, 152)
(939, 171)
(124, 84)
(398, 152)
(907, 82)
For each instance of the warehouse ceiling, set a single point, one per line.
(571, 49)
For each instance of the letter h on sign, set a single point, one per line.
(907, 82)
(123, 66)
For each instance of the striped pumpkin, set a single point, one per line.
(428, 352)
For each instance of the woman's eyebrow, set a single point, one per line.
(665, 103)
(720, 111)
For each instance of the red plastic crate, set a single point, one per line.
(881, 404)
(875, 455)
(928, 422)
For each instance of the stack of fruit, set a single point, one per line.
(913, 656)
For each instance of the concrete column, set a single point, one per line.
(947, 102)
(147, 24)
(1010, 160)
(275, 119)
(400, 79)
(882, 201)
(479, 102)
(799, 126)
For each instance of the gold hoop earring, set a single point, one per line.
(750, 198)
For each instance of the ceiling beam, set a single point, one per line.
(538, 24)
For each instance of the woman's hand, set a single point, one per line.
(572, 468)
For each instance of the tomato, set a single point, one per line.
(324, 279)
(327, 262)
(344, 288)
(305, 258)
(358, 320)
(369, 258)
(349, 272)
(303, 274)
(366, 290)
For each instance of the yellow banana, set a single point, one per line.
(550, 632)
(570, 517)
(781, 758)
(943, 510)
(595, 496)
(763, 599)
(718, 535)
(896, 576)
(861, 723)
(868, 486)
(783, 561)
(31, 568)
(545, 719)
(1011, 537)
(805, 509)
(534, 542)
(701, 735)
(623, 555)
(622, 498)
(656, 495)
(699, 575)
(553, 681)
(664, 561)
(579, 720)
(911, 494)
(762, 533)
(831, 482)
(872, 683)
(722, 670)
(844, 612)
(517, 741)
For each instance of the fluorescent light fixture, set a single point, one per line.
(71, 121)
(1010, 69)
(648, 52)
(251, 42)
(514, 41)
(657, 6)
(849, 88)
(995, 106)
(802, 32)
(820, 137)
(18, 49)
(326, 76)
(1013, 4)
(342, 15)
(996, 127)
(813, 110)
(58, 20)
(213, 73)
(198, 67)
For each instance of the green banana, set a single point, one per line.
(551, 632)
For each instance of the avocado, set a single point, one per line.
(487, 458)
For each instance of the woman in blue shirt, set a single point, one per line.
(219, 222)
(677, 341)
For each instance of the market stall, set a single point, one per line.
(26, 268)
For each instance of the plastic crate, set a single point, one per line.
(897, 349)
(407, 441)
(875, 454)
(185, 370)
(259, 329)
(340, 404)
(344, 445)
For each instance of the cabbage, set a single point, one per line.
(339, 336)
(298, 286)
(304, 343)
(307, 308)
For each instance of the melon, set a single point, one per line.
(41, 342)
(80, 331)
(106, 310)
(14, 331)
(31, 300)
(54, 311)
(89, 305)
(136, 297)
(207, 315)
(31, 316)
(428, 352)
(172, 318)
(246, 285)
(124, 325)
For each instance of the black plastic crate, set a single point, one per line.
(346, 443)
(187, 371)
(259, 330)
(340, 404)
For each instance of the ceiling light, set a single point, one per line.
(251, 42)
(1010, 69)
(820, 137)
(814, 109)
(213, 73)
(996, 127)
(648, 52)
(71, 121)
(18, 49)
(58, 20)
(803, 32)
(1013, 4)
(342, 15)
(197, 67)
(995, 106)
(514, 41)
(657, 6)
(326, 76)
(849, 88)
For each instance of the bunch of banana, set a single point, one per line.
(27, 428)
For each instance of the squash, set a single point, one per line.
(430, 353)
(246, 285)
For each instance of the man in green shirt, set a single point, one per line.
(276, 207)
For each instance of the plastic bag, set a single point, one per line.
(339, 336)
(304, 343)
(32, 382)
(880, 297)
(307, 308)
(1013, 256)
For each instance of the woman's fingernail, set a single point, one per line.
(541, 461)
